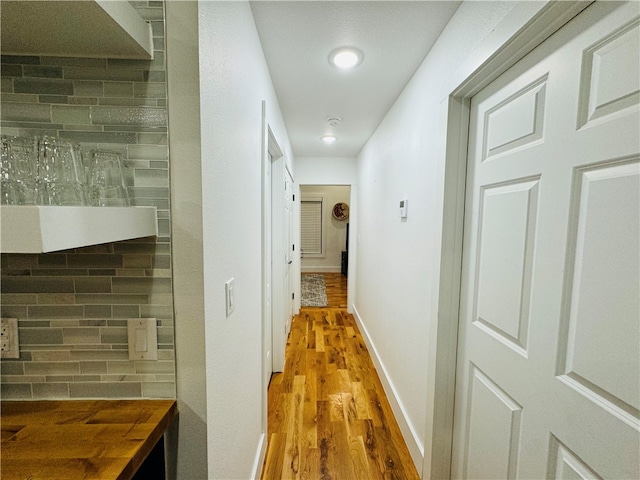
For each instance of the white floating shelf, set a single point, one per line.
(90, 29)
(41, 229)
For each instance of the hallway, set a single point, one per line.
(407, 270)
(328, 415)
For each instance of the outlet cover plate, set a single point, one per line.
(9, 342)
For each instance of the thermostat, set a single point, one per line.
(403, 208)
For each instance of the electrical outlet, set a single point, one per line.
(9, 344)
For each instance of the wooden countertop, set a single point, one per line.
(79, 439)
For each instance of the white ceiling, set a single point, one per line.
(297, 37)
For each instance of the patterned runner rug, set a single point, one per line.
(314, 292)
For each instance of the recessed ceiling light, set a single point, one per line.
(345, 57)
(328, 138)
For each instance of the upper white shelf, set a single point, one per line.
(41, 229)
(90, 28)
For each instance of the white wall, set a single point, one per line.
(398, 260)
(326, 170)
(186, 227)
(234, 80)
(334, 231)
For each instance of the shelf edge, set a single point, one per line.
(42, 229)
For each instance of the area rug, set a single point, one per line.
(314, 292)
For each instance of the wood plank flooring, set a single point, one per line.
(336, 285)
(329, 418)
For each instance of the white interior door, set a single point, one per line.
(548, 358)
(280, 271)
(289, 248)
(267, 312)
(273, 329)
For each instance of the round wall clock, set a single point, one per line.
(341, 211)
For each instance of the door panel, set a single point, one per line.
(549, 358)
(507, 229)
(494, 427)
(517, 121)
(602, 332)
(565, 465)
(611, 75)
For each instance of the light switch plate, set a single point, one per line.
(9, 342)
(143, 338)
(404, 204)
(229, 296)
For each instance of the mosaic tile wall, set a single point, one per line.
(72, 306)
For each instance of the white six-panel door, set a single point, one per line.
(549, 360)
(289, 249)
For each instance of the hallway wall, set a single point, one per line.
(234, 80)
(398, 260)
(326, 170)
(186, 226)
(395, 299)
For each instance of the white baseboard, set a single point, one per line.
(416, 449)
(336, 269)
(256, 470)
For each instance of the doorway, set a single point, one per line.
(324, 242)
(271, 155)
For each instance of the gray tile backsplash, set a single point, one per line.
(31, 112)
(72, 306)
(43, 86)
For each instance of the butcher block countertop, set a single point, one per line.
(79, 439)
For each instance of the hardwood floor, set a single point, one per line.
(336, 285)
(329, 418)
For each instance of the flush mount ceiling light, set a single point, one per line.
(345, 57)
(328, 139)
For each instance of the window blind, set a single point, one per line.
(311, 227)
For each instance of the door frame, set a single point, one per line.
(523, 29)
(271, 152)
(353, 236)
(280, 324)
